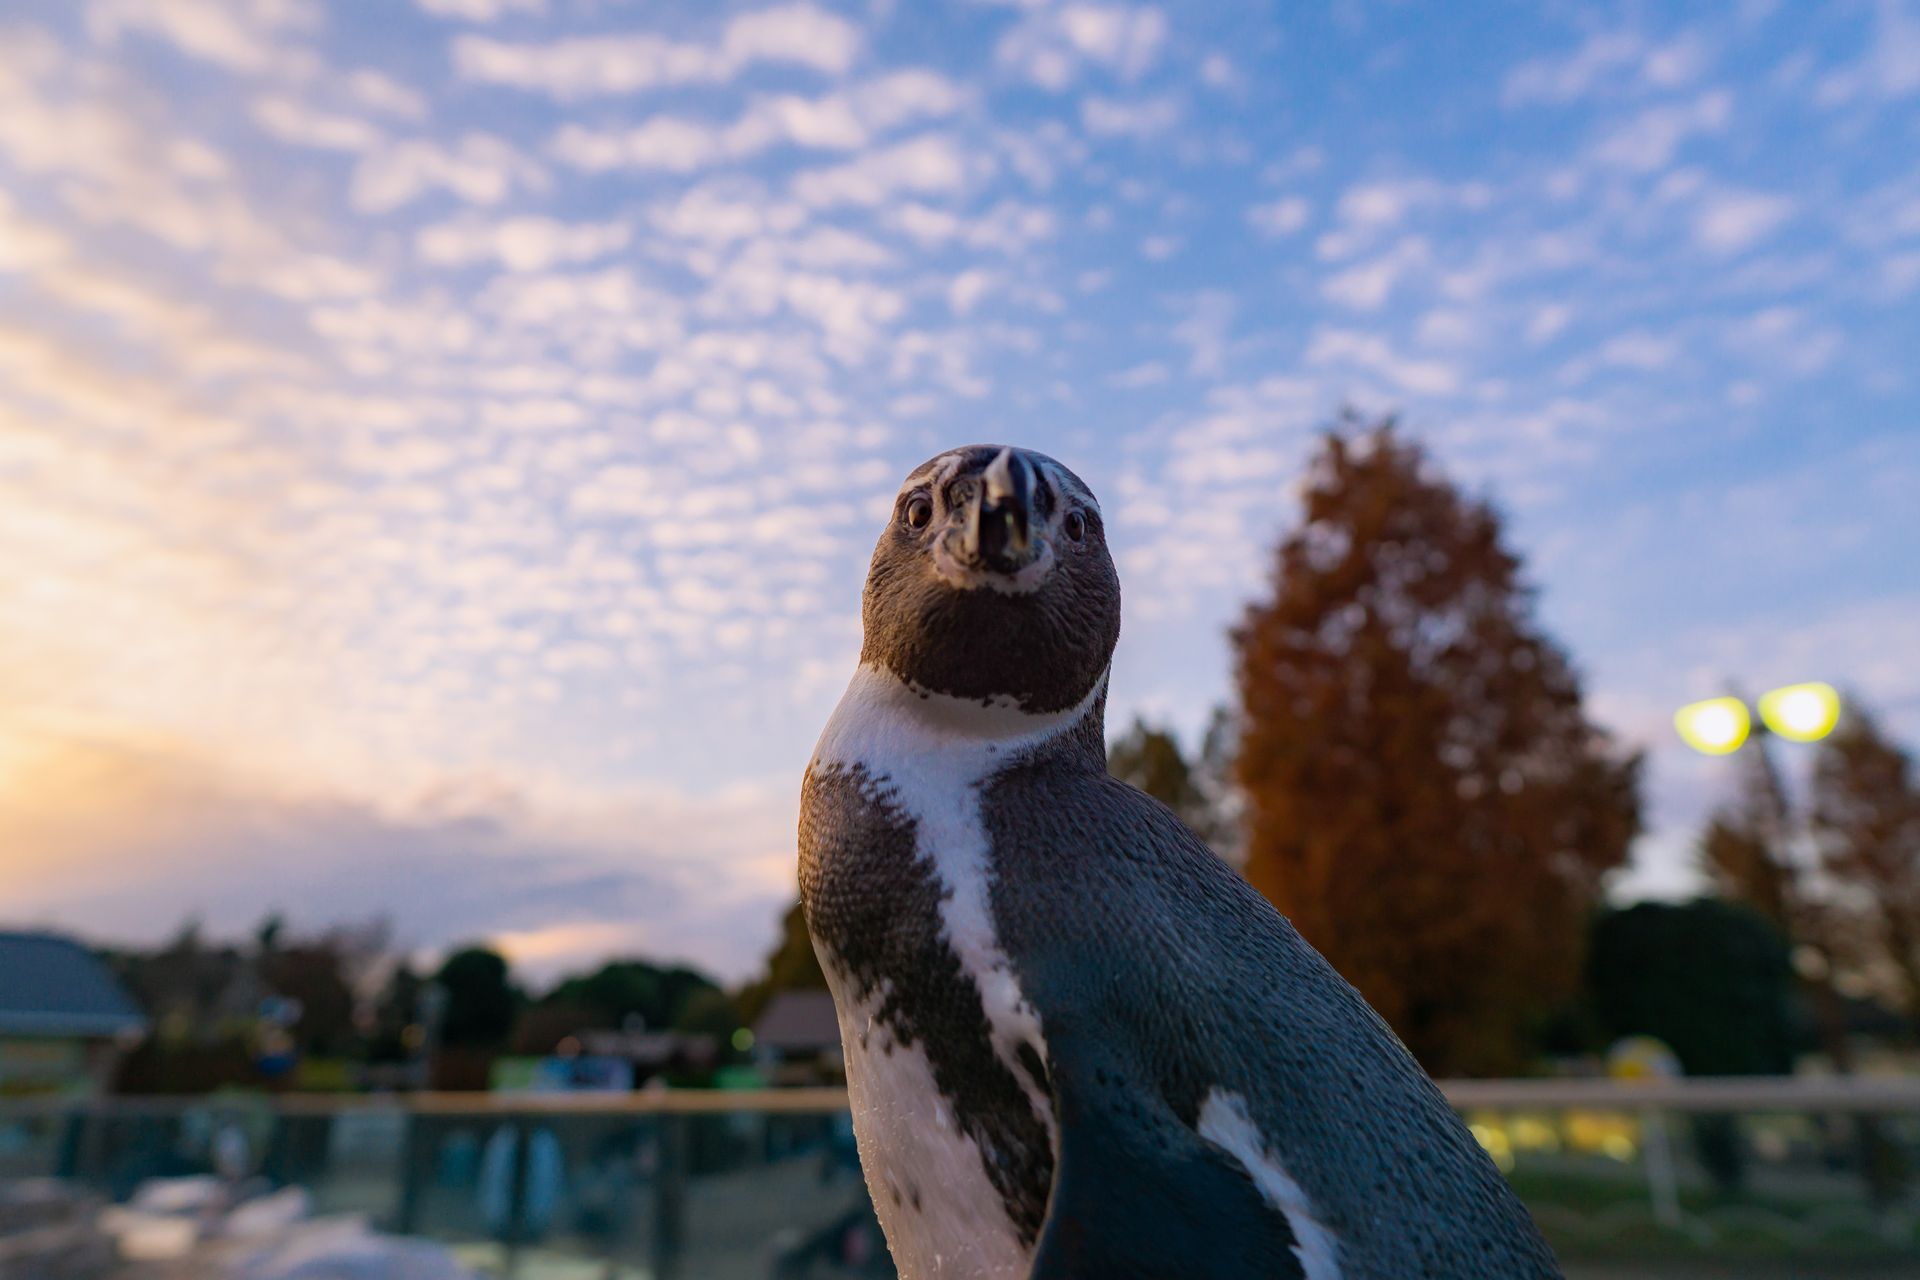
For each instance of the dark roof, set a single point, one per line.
(53, 986)
(799, 1022)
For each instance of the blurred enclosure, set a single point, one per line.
(1660, 1179)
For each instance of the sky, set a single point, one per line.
(441, 441)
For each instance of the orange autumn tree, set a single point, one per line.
(1425, 796)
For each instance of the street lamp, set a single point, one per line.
(1798, 712)
(1801, 712)
(1714, 727)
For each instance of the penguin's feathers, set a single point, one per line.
(1138, 1195)
(1191, 1033)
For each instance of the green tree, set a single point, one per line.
(1425, 795)
(622, 989)
(311, 974)
(397, 1008)
(1149, 757)
(1199, 788)
(1710, 979)
(791, 966)
(480, 1001)
(710, 1012)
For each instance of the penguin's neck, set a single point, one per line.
(884, 721)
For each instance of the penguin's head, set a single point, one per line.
(992, 582)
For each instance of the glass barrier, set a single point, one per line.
(666, 1187)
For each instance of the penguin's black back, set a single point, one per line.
(1161, 976)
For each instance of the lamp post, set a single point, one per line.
(1805, 712)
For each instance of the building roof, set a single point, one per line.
(53, 986)
(799, 1022)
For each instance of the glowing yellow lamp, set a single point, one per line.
(1715, 727)
(1802, 712)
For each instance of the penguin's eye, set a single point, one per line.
(919, 511)
(1076, 526)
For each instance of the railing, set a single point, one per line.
(1805, 1176)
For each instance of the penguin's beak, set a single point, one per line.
(999, 530)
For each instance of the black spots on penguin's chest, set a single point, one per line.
(868, 894)
(874, 902)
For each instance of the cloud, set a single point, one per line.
(1010, 227)
(1367, 286)
(293, 121)
(520, 243)
(929, 164)
(1050, 47)
(1353, 349)
(382, 93)
(481, 10)
(1888, 70)
(129, 839)
(1785, 338)
(1151, 373)
(1606, 63)
(845, 121)
(356, 431)
(967, 289)
(1204, 331)
(477, 168)
(1280, 217)
(726, 211)
(1218, 72)
(586, 66)
(239, 35)
(1161, 247)
(1650, 140)
(1547, 321)
(1141, 120)
(1733, 221)
(1639, 350)
(1368, 210)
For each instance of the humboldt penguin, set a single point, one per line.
(1077, 1044)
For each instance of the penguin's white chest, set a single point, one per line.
(941, 1214)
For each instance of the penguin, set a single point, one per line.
(1078, 1046)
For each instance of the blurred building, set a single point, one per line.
(797, 1039)
(64, 1018)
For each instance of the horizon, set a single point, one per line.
(441, 450)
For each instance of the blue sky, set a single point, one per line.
(440, 442)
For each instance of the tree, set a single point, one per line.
(1713, 982)
(1754, 852)
(311, 975)
(1746, 849)
(1425, 796)
(791, 966)
(397, 1008)
(1749, 851)
(480, 1001)
(1710, 979)
(621, 989)
(1866, 825)
(1199, 790)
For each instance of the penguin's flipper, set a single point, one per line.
(1138, 1195)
